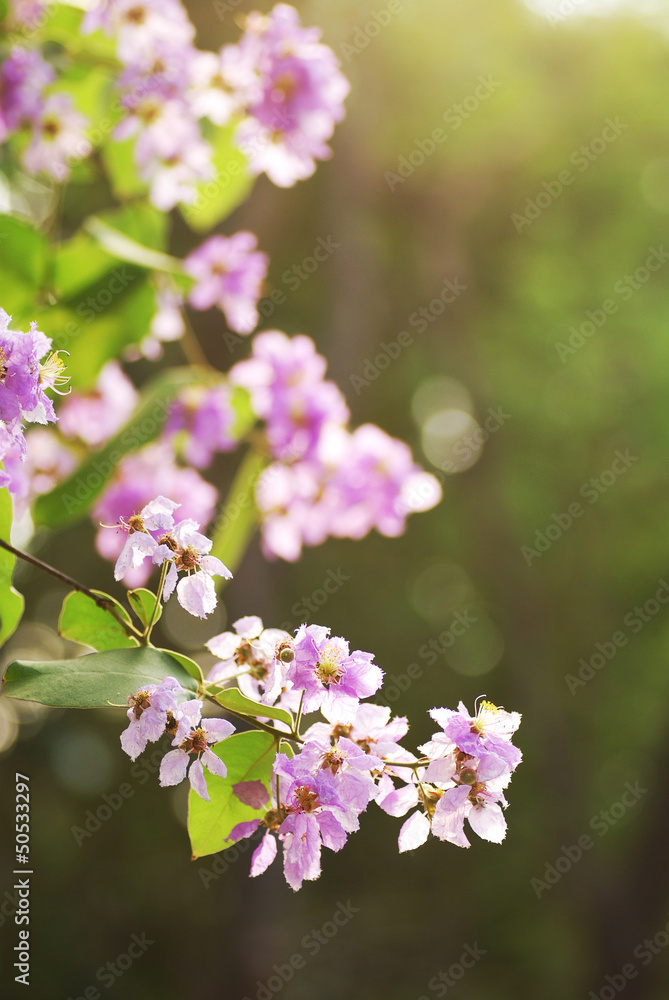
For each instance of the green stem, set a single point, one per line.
(298, 719)
(254, 722)
(415, 766)
(146, 638)
(101, 602)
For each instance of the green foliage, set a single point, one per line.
(236, 702)
(143, 603)
(11, 602)
(218, 197)
(124, 247)
(93, 681)
(239, 518)
(190, 666)
(248, 757)
(82, 620)
(119, 161)
(24, 262)
(71, 499)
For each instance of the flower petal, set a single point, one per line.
(414, 832)
(264, 855)
(198, 781)
(173, 767)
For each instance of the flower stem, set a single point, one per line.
(146, 638)
(102, 602)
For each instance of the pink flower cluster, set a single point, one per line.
(326, 480)
(57, 130)
(153, 535)
(25, 373)
(343, 763)
(279, 85)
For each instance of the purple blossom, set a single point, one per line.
(95, 416)
(150, 708)
(486, 734)
(479, 802)
(288, 392)
(58, 136)
(371, 729)
(195, 740)
(188, 550)
(173, 157)
(332, 678)
(168, 322)
(138, 479)
(229, 272)
(21, 375)
(47, 462)
(23, 77)
(201, 423)
(295, 99)
(140, 544)
(253, 656)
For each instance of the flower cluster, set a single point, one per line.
(229, 273)
(201, 423)
(157, 709)
(27, 368)
(317, 790)
(326, 480)
(292, 92)
(152, 534)
(136, 481)
(57, 129)
(279, 86)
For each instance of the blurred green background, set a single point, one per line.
(575, 268)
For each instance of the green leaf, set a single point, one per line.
(11, 602)
(119, 160)
(218, 197)
(23, 262)
(143, 603)
(71, 499)
(141, 222)
(93, 681)
(99, 321)
(78, 264)
(189, 665)
(239, 519)
(119, 245)
(248, 757)
(245, 416)
(233, 699)
(81, 620)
